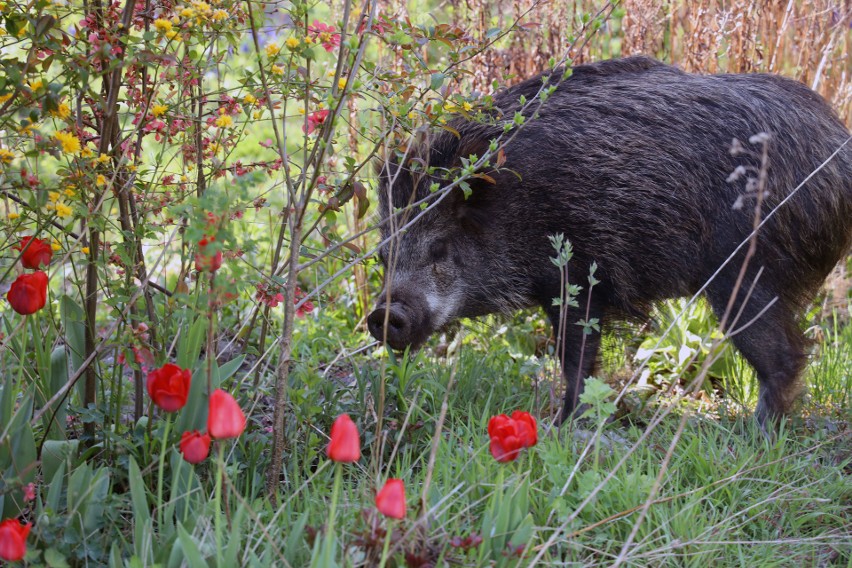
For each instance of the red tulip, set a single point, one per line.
(225, 418)
(345, 443)
(37, 253)
(28, 293)
(510, 435)
(529, 433)
(195, 446)
(207, 260)
(390, 501)
(13, 540)
(169, 386)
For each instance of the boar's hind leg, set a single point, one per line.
(577, 357)
(773, 344)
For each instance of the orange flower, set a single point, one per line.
(28, 293)
(390, 501)
(168, 386)
(225, 418)
(13, 540)
(37, 253)
(345, 443)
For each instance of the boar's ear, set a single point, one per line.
(470, 212)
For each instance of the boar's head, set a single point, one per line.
(446, 261)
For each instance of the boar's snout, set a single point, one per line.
(407, 322)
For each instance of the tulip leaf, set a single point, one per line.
(235, 540)
(17, 454)
(54, 491)
(189, 346)
(56, 454)
(192, 555)
(74, 322)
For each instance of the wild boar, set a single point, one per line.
(631, 160)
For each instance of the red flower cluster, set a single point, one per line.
(315, 119)
(13, 540)
(169, 389)
(509, 435)
(28, 293)
(208, 260)
(325, 34)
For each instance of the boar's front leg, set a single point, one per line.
(577, 351)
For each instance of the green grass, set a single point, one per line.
(727, 497)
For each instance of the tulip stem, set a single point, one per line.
(386, 547)
(335, 495)
(160, 475)
(217, 510)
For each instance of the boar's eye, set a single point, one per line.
(438, 250)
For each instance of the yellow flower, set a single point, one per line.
(292, 42)
(53, 196)
(103, 158)
(36, 85)
(309, 40)
(202, 7)
(101, 181)
(55, 246)
(131, 167)
(467, 106)
(272, 49)
(6, 156)
(301, 110)
(187, 13)
(277, 70)
(341, 83)
(87, 151)
(13, 216)
(220, 15)
(184, 179)
(26, 129)
(63, 111)
(70, 143)
(63, 211)
(162, 25)
(224, 121)
(84, 250)
(249, 99)
(6, 97)
(172, 34)
(257, 114)
(69, 192)
(450, 106)
(215, 147)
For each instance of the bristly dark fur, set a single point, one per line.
(629, 159)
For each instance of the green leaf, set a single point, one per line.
(189, 346)
(192, 554)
